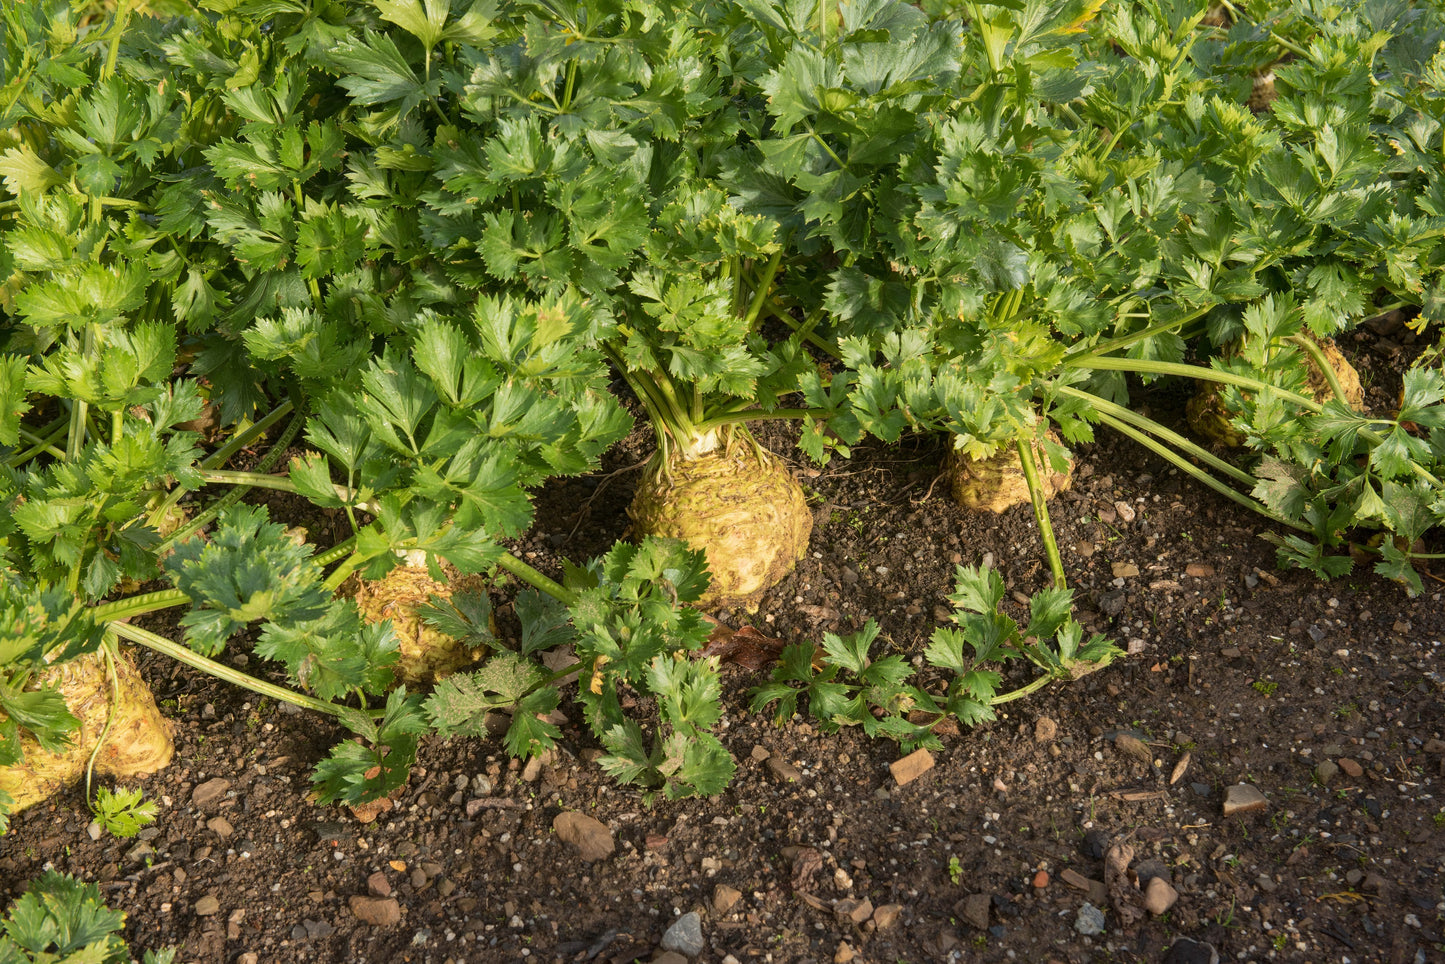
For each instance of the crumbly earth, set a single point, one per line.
(1325, 698)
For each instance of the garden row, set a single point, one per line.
(425, 247)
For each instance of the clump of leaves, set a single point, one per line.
(60, 918)
(123, 812)
(633, 636)
(845, 685)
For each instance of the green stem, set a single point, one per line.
(1124, 341)
(1151, 367)
(244, 438)
(1189, 468)
(1179, 442)
(1312, 348)
(824, 145)
(780, 312)
(1041, 510)
(1022, 691)
(107, 652)
(1290, 45)
(41, 444)
(719, 419)
(326, 558)
(79, 410)
(536, 580)
(341, 573)
(235, 495)
(210, 667)
(765, 286)
(132, 606)
(122, 14)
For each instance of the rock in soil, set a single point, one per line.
(1243, 798)
(974, 909)
(1186, 950)
(1089, 921)
(685, 936)
(724, 898)
(590, 836)
(911, 767)
(1159, 896)
(376, 911)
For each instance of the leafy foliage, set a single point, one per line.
(124, 811)
(60, 918)
(845, 686)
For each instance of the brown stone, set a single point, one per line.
(911, 767)
(856, 911)
(1243, 798)
(844, 954)
(1351, 768)
(1199, 570)
(208, 906)
(724, 898)
(376, 911)
(210, 791)
(887, 915)
(590, 836)
(783, 770)
(974, 909)
(1045, 730)
(1098, 893)
(1159, 896)
(378, 885)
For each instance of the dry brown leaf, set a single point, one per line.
(806, 863)
(1124, 897)
(744, 647)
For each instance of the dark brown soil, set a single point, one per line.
(1327, 698)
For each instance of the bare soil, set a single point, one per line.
(1326, 698)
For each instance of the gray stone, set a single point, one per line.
(1186, 950)
(1326, 772)
(1090, 921)
(685, 936)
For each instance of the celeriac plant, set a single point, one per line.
(1093, 206)
(216, 197)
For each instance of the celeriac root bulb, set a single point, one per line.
(138, 744)
(740, 505)
(998, 483)
(1208, 417)
(426, 654)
